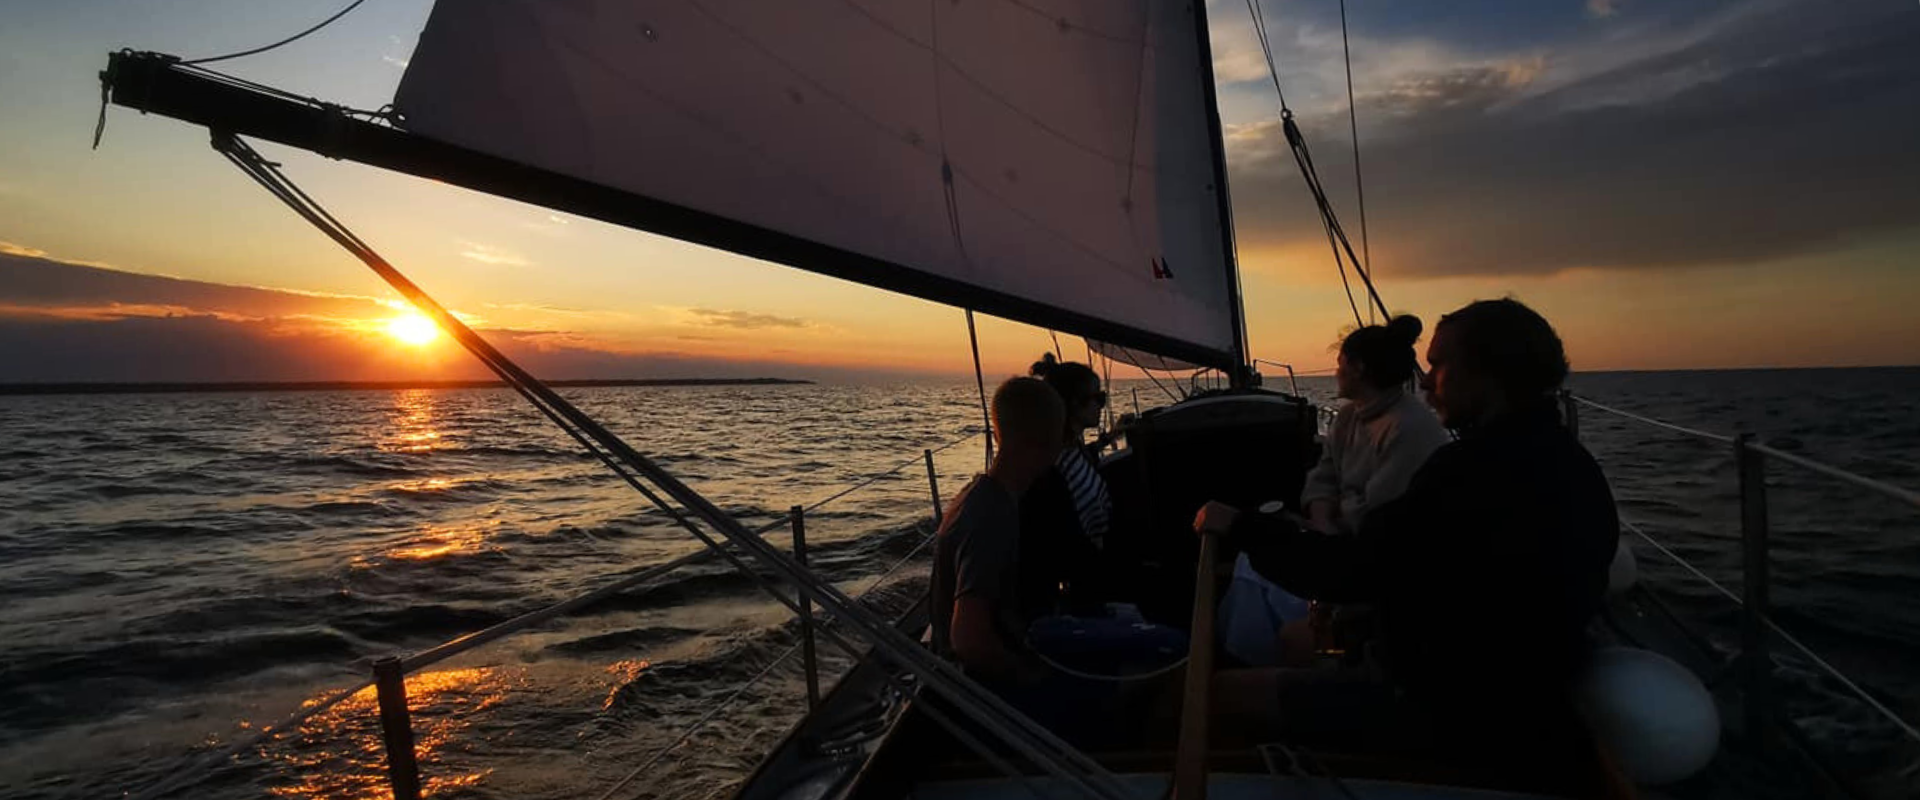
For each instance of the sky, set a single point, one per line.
(1678, 184)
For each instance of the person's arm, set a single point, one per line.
(1323, 481)
(1321, 494)
(983, 578)
(1320, 566)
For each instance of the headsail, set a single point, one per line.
(1052, 161)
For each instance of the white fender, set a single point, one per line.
(1650, 712)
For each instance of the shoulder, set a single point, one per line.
(983, 499)
(1411, 421)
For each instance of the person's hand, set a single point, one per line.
(1322, 516)
(1215, 517)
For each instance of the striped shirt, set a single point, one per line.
(1089, 493)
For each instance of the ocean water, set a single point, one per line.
(176, 569)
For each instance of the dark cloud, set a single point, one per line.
(37, 281)
(745, 320)
(1784, 131)
(72, 323)
(207, 348)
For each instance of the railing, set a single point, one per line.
(1756, 623)
(388, 674)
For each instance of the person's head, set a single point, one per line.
(1377, 358)
(1079, 388)
(1027, 417)
(1490, 357)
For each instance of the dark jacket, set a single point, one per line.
(1485, 574)
(1059, 564)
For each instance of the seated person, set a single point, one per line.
(977, 617)
(1484, 574)
(1380, 438)
(1382, 435)
(1064, 517)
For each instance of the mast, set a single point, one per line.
(1216, 139)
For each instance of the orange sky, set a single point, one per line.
(1682, 255)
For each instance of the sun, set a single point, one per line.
(413, 328)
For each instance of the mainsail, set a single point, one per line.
(1051, 161)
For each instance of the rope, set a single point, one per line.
(1888, 489)
(1088, 676)
(1903, 495)
(1654, 422)
(1041, 746)
(1766, 620)
(1156, 382)
(462, 644)
(750, 682)
(289, 40)
(875, 478)
(1303, 158)
(491, 633)
(1728, 593)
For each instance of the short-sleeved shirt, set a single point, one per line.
(977, 554)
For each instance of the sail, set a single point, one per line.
(1050, 161)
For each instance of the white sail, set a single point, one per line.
(1051, 161)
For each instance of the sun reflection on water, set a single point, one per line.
(440, 542)
(338, 753)
(624, 672)
(411, 425)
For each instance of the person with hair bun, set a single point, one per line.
(1383, 433)
(1485, 575)
(1067, 514)
(1381, 437)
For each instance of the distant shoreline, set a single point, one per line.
(358, 386)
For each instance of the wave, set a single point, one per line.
(77, 686)
(622, 641)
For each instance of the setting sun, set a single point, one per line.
(413, 329)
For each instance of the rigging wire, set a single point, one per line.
(728, 702)
(1353, 128)
(1303, 157)
(289, 40)
(1156, 382)
(980, 381)
(1042, 747)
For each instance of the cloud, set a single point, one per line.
(744, 320)
(32, 279)
(486, 254)
(11, 249)
(1769, 131)
(66, 322)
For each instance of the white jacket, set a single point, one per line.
(1372, 453)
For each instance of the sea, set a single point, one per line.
(178, 570)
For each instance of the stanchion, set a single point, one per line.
(1757, 663)
(396, 728)
(933, 487)
(799, 516)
